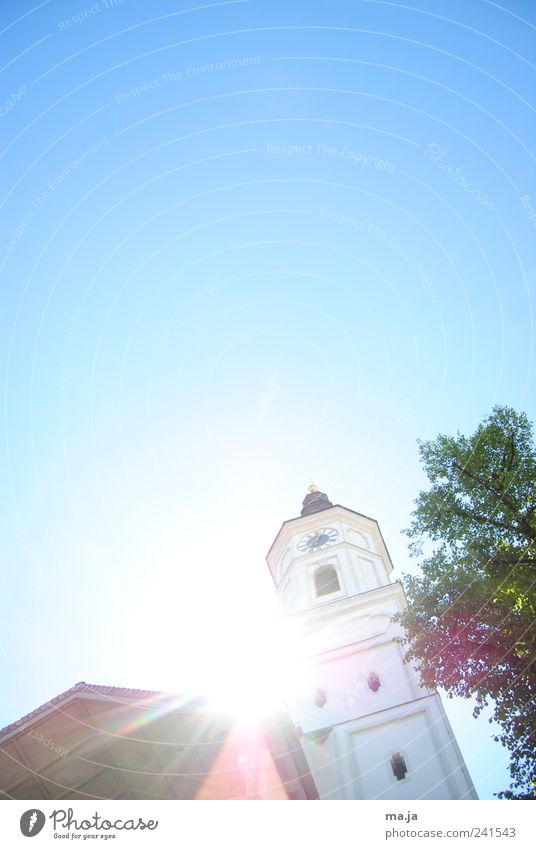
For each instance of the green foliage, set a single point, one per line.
(471, 620)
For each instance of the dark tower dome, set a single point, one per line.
(315, 501)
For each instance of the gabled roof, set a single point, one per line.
(82, 686)
(103, 742)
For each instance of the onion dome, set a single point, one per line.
(315, 501)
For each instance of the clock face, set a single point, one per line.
(317, 539)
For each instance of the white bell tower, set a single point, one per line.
(370, 731)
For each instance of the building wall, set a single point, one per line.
(352, 727)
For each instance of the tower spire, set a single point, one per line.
(315, 501)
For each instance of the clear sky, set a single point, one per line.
(244, 244)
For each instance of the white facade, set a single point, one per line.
(370, 730)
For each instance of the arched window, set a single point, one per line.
(398, 765)
(320, 697)
(373, 680)
(326, 580)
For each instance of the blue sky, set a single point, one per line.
(244, 245)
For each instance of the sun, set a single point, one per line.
(218, 640)
(258, 677)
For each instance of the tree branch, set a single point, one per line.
(481, 520)
(486, 485)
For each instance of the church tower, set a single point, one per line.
(370, 731)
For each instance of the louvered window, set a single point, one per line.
(326, 581)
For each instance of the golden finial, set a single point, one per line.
(313, 488)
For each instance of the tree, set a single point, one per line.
(471, 619)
